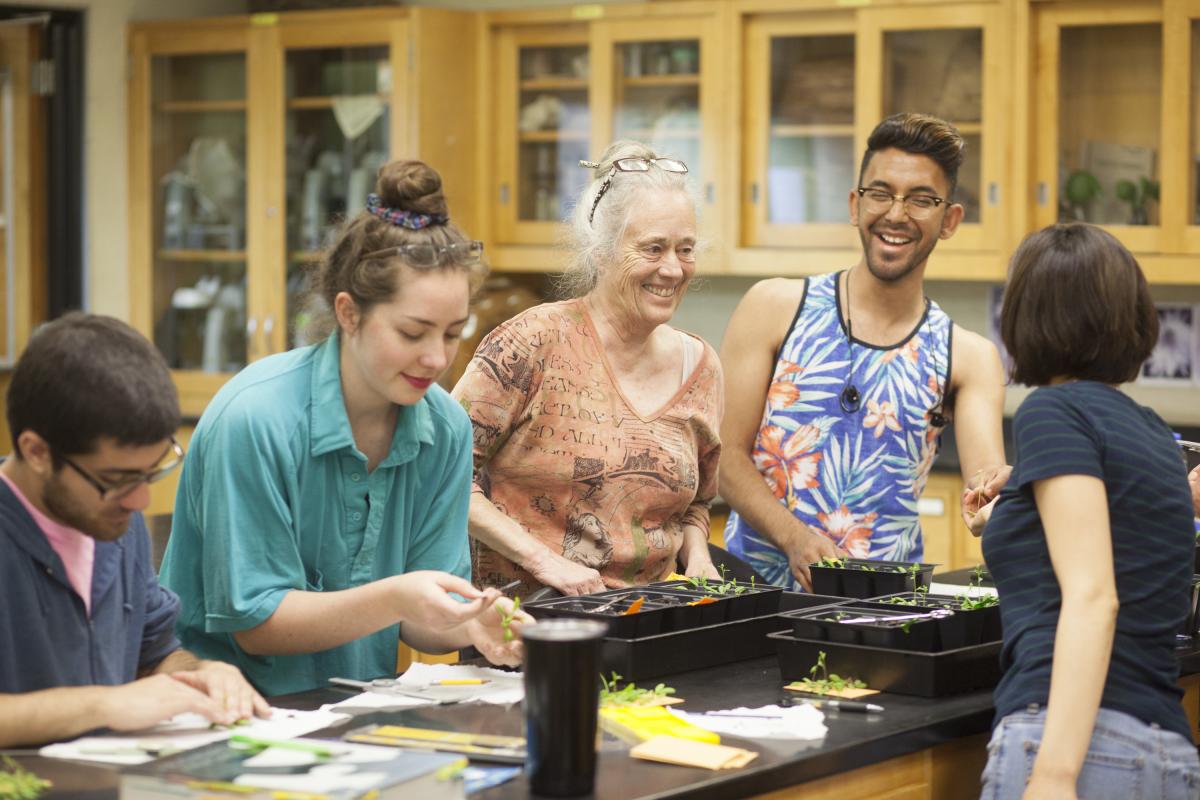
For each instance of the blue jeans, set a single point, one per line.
(1127, 759)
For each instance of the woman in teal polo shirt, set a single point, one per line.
(322, 510)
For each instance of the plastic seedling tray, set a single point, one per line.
(646, 622)
(743, 602)
(863, 578)
(899, 671)
(962, 629)
(870, 624)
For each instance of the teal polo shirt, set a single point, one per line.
(275, 497)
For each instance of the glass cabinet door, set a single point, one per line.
(656, 99)
(545, 129)
(198, 179)
(337, 120)
(800, 148)
(941, 72)
(943, 62)
(1100, 120)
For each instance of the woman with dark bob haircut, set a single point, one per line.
(1091, 539)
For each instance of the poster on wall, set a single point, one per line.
(1174, 361)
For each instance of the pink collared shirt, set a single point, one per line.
(77, 550)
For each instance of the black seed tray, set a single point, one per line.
(899, 671)
(756, 601)
(883, 578)
(646, 622)
(826, 624)
(967, 627)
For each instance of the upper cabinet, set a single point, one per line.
(1117, 92)
(814, 85)
(249, 138)
(565, 84)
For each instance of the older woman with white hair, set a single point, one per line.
(595, 422)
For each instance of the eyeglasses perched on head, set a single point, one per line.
(430, 255)
(632, 164)
(125, 485)
(917, 206)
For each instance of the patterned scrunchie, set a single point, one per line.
(412, 220)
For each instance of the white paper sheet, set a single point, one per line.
(954, 590)
(765, 722)
(185, 732)
(502, 688)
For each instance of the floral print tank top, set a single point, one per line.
(853, 476)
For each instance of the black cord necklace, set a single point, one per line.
(851, 398)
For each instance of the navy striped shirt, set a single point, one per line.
(1086, 428)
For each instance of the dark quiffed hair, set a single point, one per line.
(84, 378)
(1076, 306)
(921, 135)
(405, 185)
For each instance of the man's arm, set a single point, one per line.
(753, 338)
(977, 384)
(51, 714)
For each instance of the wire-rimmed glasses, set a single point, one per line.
(917, 206)
(122, 487)
(631, 164)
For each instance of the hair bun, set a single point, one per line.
(411, 185)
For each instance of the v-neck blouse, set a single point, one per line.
(559, 449)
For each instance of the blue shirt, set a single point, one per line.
(853, 476)
(275, 497)
(46, 637)
(1086, 428)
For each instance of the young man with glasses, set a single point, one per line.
(847, 379)
(87, 635)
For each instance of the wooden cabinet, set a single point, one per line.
(1115, 143)
(814, 84)
(248, 136)
(948, 541)
(559, 86)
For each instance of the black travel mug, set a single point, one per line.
(562, 698)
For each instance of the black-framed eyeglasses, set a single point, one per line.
(917, 206)
(115, 490)
(632, 164)
(429, 255)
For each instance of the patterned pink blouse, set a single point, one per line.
(560, 450)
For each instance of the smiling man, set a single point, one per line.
(86, 633)
(846, 380)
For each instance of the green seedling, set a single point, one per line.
(977, 573)
(613, 694)
(507, 618)
(820, 681)
(17, 783)
(832, 562)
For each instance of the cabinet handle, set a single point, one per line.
(754, 192)
(267, 329)
(251, 327)
(710, 193)
(504, 194)
(993, 193)
(1043, 193)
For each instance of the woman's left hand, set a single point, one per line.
(487, 633)
(702, 568)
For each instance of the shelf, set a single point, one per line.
(649, 81)
(554, 136)
(563, 84)
(811, 131)
(225, 256)
(659, 134)
(319, 103)
(305, 256)
(969, 128)
(200, 106)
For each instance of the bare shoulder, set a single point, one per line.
(976, 360)
(765, 312)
